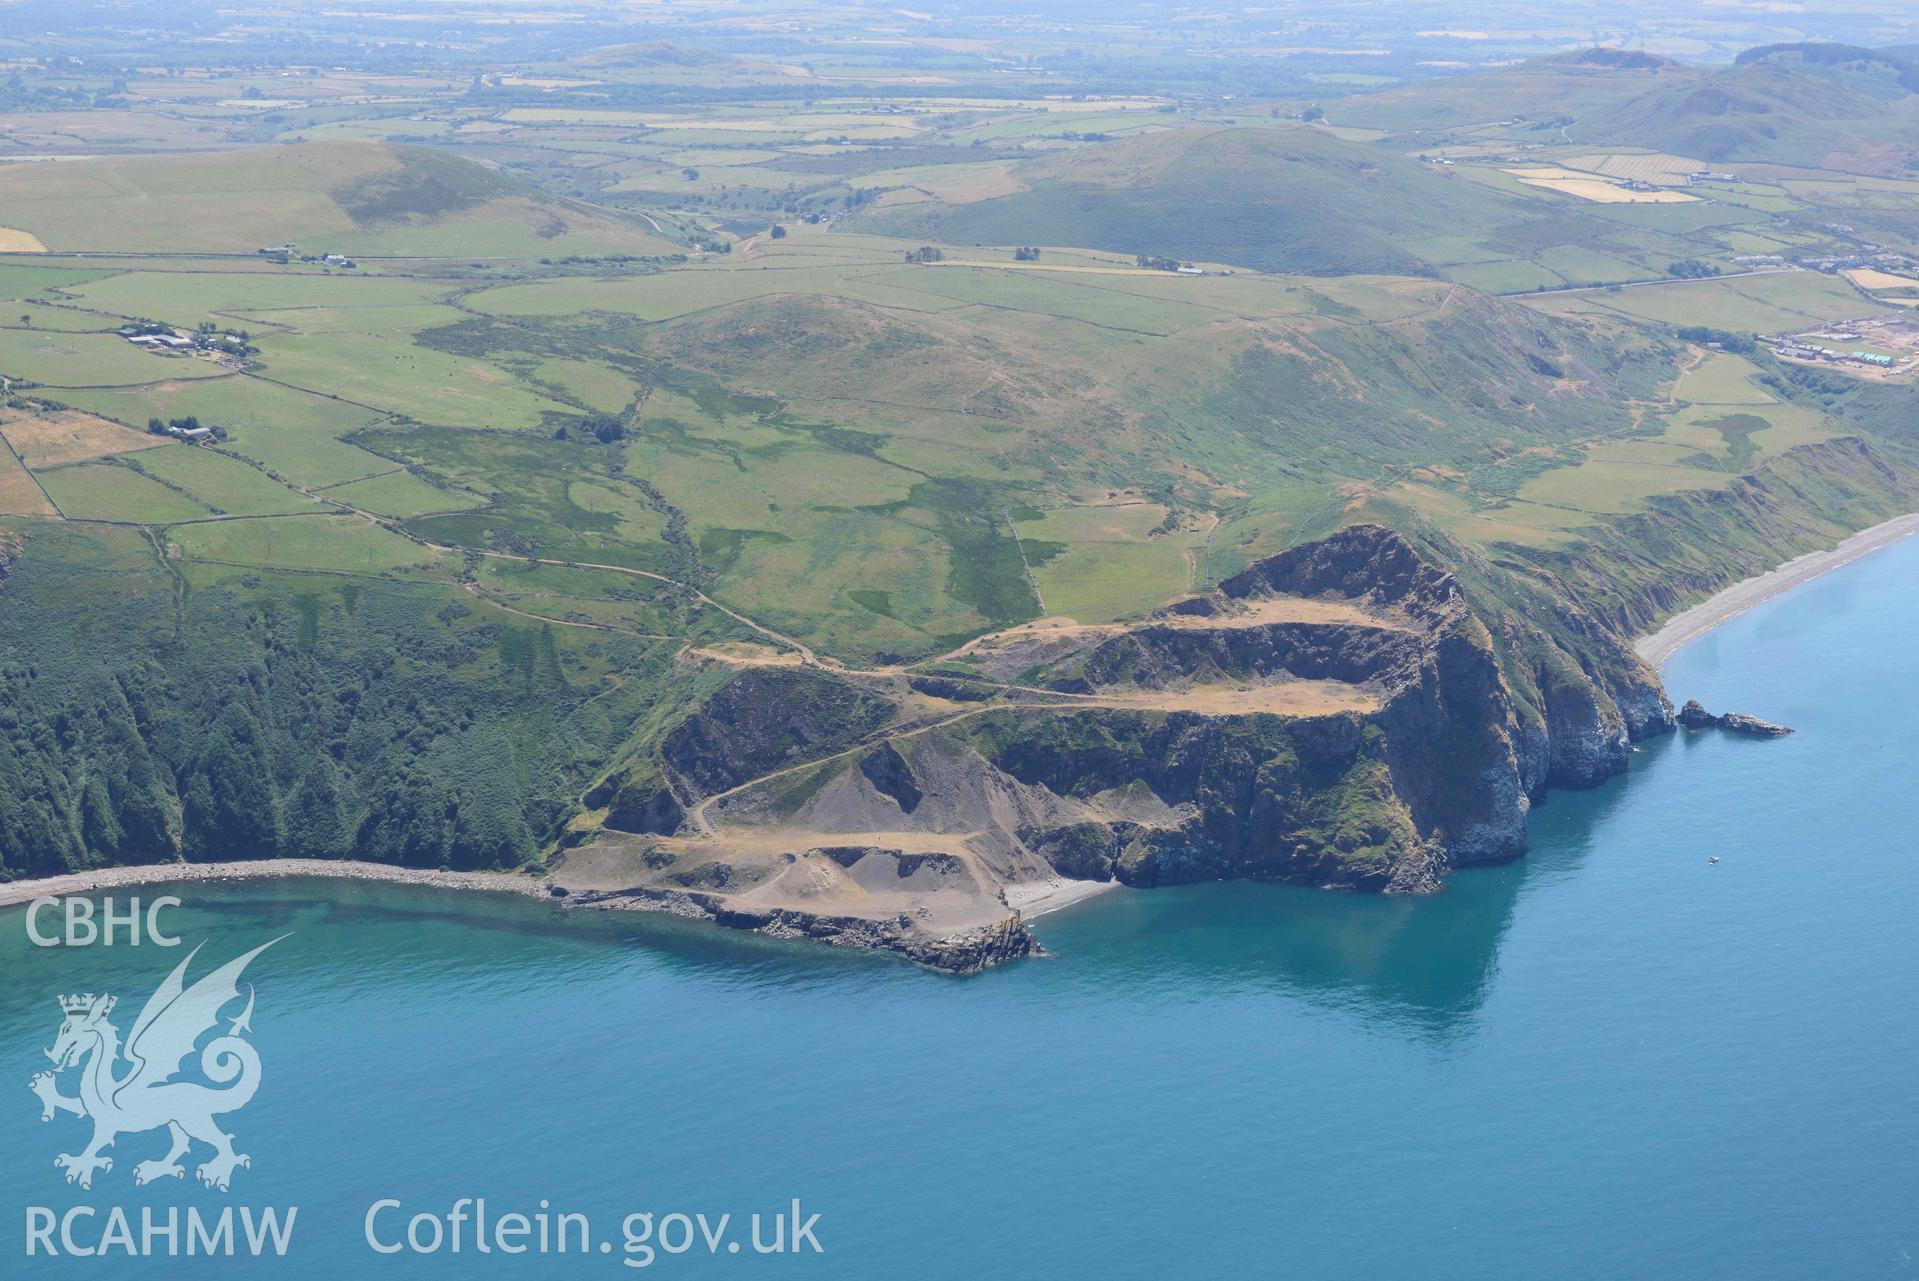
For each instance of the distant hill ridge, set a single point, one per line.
(349, 196)
(1788, 103)
(423, 184)
(1614, 60)
(1814, 54)
(1283, 200)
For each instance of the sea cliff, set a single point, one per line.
(1345, 714)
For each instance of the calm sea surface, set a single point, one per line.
(1610, 1059)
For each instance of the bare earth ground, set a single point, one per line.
(1684, 628)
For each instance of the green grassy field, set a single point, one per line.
(389, 374)
(1783, 302)
(92, 360)
(401, 494)
(1722, 379)
(292, 432)
(349, 197)
(844, 446)
(107, 491)
(1097, 564)
(222, 485)
(329, 544)
(186, 297)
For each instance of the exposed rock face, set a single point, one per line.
(1309, 800)
(887, 771)
(1695, 717)
(639, 809)
(759, 722)
(1384, 800)
(1752, 726)
(764, 719)
(964, 951)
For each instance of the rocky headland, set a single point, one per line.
(1348, 714)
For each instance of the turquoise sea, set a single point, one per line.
(1609, 1060)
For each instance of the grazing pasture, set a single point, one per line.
(48, 438)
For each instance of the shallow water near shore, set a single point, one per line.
(1610, 1059)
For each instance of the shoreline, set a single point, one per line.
(16, 893)
(1689, 625)
(1034, 899)
(1029, 899)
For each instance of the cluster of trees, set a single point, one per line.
(17, 95)
(593, 259)
(1743, 344)
(1691, 269)
(237, 342)
(1026, 253)
(605, 428)
(925, 253)
(189, 422)
(1154, 263)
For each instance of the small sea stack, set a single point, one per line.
(1694, 716)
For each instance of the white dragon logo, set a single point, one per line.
(146, 1097)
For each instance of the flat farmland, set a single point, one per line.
(48, 438)
(333, 544)
(225, 486)
(1722, 379)
(92, 360)
(188, 297)
(104, 491)
(1778, 302)
(401, 494)
(293, 432)
(394, 375)
(1598, 189)
(20, 494)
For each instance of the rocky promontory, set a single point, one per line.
(1361, 712)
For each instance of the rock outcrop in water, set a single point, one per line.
(1694, 716)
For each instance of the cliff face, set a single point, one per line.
(1442, 771)
(1310, 799)
(1635, 571)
